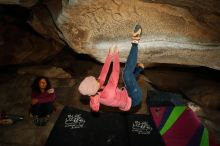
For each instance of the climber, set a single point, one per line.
(110, 94)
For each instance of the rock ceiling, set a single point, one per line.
(174, 32)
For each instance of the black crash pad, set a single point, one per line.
(75, 127)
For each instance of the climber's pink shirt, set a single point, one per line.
(111, 95)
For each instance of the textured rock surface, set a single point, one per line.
(47, 71)
(173, 33)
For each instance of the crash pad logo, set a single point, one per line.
(141, 127)
(74, 121)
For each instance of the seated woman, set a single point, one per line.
(43, 97)
(110, 94)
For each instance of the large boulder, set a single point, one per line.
(174, 32)
(178, 32)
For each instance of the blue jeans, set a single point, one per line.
(42, 109)
(129, 76)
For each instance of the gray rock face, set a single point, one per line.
(171, 32)
(174, 32)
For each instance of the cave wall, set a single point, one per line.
(20, 43)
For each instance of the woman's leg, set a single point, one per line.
(35, 109)
(132, 58)
(46, 109)
(49, 108)
(129, 78)
(138, 69)
(42, 110)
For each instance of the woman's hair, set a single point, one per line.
(35, 85)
